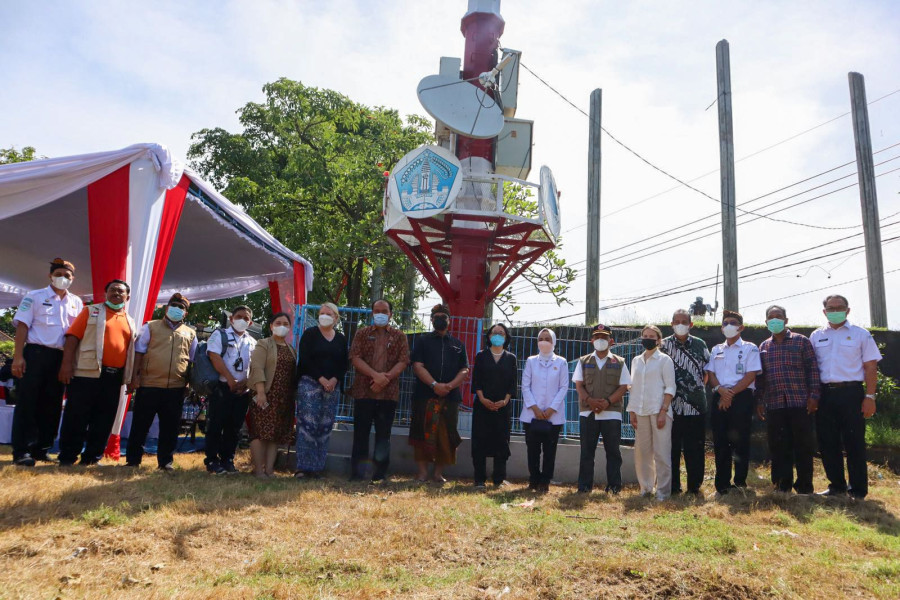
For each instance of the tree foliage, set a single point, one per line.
(11, 155)
(308, 166)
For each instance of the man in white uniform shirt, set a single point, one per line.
(733, 366)
(41, 321)
(848, 368)
(601, 379)
(229, 401)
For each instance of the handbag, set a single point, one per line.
(540, 426)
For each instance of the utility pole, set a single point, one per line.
(868, 199)
(377, 283)
(726, 171)
(592, 293)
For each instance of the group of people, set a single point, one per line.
(792, 382)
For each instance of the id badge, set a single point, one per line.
(739, 368)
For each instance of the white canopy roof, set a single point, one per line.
(218, 251)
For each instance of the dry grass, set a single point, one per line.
(106, 532)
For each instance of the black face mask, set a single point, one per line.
(648, 344)
(440, 323)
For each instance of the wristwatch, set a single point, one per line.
(433, 383)
(872, 396)
(716, 389)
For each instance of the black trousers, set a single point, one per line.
(591, 430)
(479, 463)
(689, 439)
(148, 403)
(91, 405)
(368, 412)
(39, 402)
(790, 433)
(731, 439)
(537, 444)
(225, 416)
(840, 426)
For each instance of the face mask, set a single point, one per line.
(61, 283)
(601, 345)
(775, 325)
(648, 343)
(731, 330)
(326, 320)
(545, 347)
(240, 325)
(115, 306)
(175, 313)
(381, 319)
(836, 318)
(497, 340)
(281, 330)
(440, 323)
(681, 329)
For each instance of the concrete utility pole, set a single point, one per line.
(592, 293)
(868, 199)
(377, 282)
(726, 171)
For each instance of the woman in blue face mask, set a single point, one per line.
(494, 384)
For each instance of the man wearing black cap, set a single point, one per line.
(733, 367)
(41, 322)
(601, 378)
(163, 354)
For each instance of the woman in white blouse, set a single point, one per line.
(545, 383)
(652, 389)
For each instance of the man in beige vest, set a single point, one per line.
(98, 356)
(601, 379)
(164, 352)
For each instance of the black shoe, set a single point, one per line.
(479, 485)
(676, 492)
(584, 490)
(24, 461)
(614, 490)
(67, 463)
(87, 462)
(132, 465)
(215, 467)
(229, 468)
(832, 493)
(42, 456)
(694, 492)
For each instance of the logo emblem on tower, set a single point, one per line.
(425, 182)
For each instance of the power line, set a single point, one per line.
(660, 169)
(828, 287)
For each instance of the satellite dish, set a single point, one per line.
(425, 182)
(549, 201)
(462, 106)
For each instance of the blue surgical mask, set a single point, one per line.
(497, 339)
(381, 319)
(115, 306)
(175, 313)
(775, 325)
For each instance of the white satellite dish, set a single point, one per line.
(549, 201)
(462, 106)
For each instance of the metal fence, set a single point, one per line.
(571, 344)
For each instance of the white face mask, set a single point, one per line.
(326, 320)
(545, 347)
(61, 283)
(601, 345)
(730, 331)
(681, 329)
(240, 325)
(281, 330)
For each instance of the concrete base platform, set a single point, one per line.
(402, 463)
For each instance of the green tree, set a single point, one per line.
(308, 166)
(11, 155)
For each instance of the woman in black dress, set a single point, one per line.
(494, 384)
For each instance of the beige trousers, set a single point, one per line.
(653, 456)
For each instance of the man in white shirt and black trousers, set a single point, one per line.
(229, 401)
(41, 322)
(733, 366)
(848, 368)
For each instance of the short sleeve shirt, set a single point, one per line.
(841, 352)
(382, 350)
(236, 356)
(48, 316)
(731, 363)
(116, 336)
(444, 357)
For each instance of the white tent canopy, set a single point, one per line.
(218, 250)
